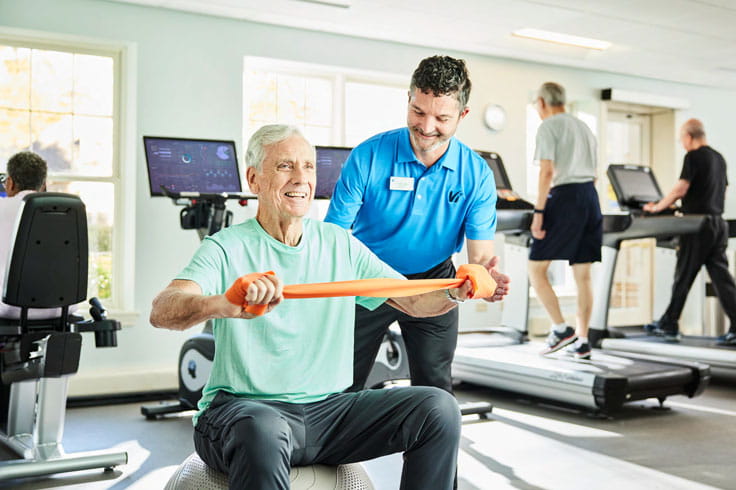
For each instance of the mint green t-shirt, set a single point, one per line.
(301, 351)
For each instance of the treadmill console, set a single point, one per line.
(634, 186)
(507, 197)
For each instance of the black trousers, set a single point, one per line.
(430, 342)
(707, 248)
(256, 442)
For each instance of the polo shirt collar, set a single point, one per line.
(405, 153)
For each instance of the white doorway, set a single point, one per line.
(628, 140)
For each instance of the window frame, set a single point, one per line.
(123, 54)
(339, 76)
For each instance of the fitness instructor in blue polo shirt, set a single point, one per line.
(412, 195)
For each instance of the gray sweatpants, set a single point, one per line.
(256, 442)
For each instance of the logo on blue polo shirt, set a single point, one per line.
(454, 196)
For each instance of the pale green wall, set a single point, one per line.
(189, 73)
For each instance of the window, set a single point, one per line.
(533, 122)
(332, 105)
(363, 119)
(61, 103)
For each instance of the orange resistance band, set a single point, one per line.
(483, 287)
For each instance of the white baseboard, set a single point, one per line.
(114, 382)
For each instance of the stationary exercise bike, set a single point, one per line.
(207, 214)
(47, 269)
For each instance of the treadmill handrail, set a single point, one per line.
(655, 227)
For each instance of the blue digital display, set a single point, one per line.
(330, 160)
(191, 165)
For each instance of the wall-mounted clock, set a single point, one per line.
(494, 117)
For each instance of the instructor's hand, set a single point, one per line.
(502, 280)
(537, 232)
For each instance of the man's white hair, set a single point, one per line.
(267, 135)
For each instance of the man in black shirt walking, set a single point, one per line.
(702, 188)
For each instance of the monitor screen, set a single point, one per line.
(634, 185)
(499, 172)
(2, 186)
(330, 160)
(191, 165)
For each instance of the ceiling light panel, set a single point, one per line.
(560, 38)
(332, 3)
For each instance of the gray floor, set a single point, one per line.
(525, 445)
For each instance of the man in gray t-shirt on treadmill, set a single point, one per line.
(567, 222)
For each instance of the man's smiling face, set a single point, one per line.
(285, 184)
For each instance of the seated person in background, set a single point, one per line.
(274, 398)
(26, 174)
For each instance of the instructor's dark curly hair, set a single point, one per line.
(442, 75)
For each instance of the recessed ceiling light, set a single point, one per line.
(559, 38)
(332, 3)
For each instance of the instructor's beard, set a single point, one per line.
(441, 140)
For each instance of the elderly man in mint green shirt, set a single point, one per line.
(275, 396)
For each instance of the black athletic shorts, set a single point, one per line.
(574, 225)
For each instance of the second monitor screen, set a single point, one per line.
(330, 160)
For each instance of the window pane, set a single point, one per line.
(321, 102)
(99, 198)
(291, 99)
(92, 146)
(14, 133)
(260, 91)
(303, 101)
(93, 85)
(52, 139)
(360, 100)
(15, 76)
(318, 101)
(51, 81)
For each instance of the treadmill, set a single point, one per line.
(502, 358)
(635, 185)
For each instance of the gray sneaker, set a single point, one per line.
(580, 352)
(728, 339)
(558, 340)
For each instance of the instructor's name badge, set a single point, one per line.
(401, 184)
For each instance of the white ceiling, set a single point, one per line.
(692, 41)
